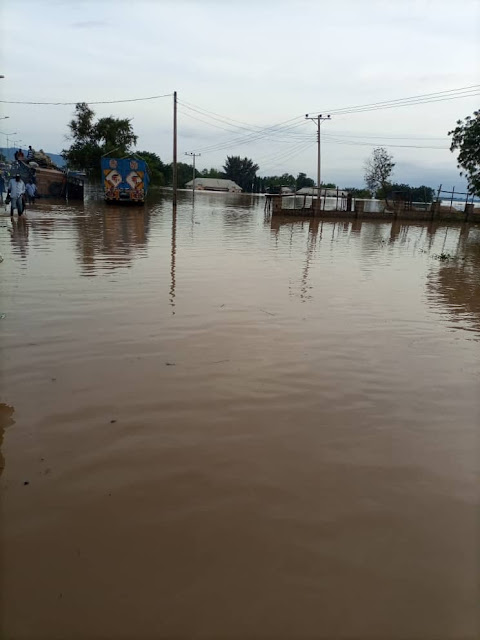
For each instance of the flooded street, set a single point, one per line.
(237, 427)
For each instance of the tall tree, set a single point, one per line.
(115, 134)
(241, 170)
(359, 193)
(285, 180)
(212, 173)
(303, 181)
(378, 169)
(466, 138)
(91, 140)
(185, 174)
(414, 194)
(156, 166)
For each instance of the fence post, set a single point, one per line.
(438, 192)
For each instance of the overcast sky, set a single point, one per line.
(257, 63)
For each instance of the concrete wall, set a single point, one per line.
(437, 212)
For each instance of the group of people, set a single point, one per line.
(20, 156)
(17, 193)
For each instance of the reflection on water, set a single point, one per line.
(19, 236)
(173, 255)
(455, 284)
(6, 420)
(113, 237)
(260, 428)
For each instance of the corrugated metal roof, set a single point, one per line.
(313, 191)
(214, 183)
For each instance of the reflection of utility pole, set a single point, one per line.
(194, 155)
(311, 244)
(318, 120)
(172, 258)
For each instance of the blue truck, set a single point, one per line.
(125, 179)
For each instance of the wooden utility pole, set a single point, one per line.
(174, 167)
(318, 120)
(193, 155)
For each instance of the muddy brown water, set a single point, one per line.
(233, 427)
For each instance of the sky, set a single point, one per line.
(240, 68)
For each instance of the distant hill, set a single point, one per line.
(10, 153)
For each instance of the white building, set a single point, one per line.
(214, 184)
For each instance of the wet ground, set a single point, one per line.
(216, 425)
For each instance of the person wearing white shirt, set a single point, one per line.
(16, 191)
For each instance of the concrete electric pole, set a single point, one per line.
(193, 155)
(174, 164)
(318, 121)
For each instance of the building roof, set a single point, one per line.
(214, 183)
(313, 191)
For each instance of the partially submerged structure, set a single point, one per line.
(214, 184)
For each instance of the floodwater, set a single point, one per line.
(233, 427)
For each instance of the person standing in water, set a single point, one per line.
(31, 190)
(16, 191)
(2, 187)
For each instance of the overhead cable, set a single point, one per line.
(56, 104)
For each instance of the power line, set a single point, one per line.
(386, 137)
(56, 104)
(332, 139)
(271, 157)
(275, 130)
(407, 104)
(417, 97)
(220, 119)
(265, 135)
(252, 128)
(281, 162)
(206, 112)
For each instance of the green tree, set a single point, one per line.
(185, 174)
(156, 166)
(358, 193)
(378, 169)
(285, 180)
(241, 170)
(91, 140)
(115, 135)
(422, 194)
(414, 194)
(211, 173)
(466, 138)
(303, 181)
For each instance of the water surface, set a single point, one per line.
(237, 427)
